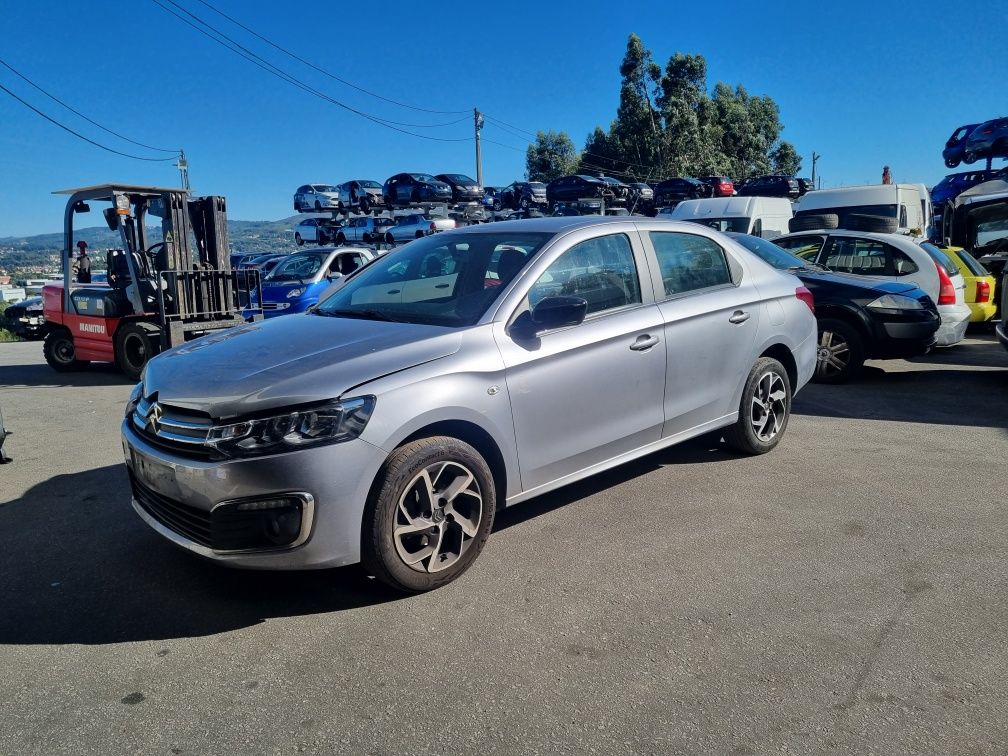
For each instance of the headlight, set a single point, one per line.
(295, 293)
(895, 303)
(329, 423)
(134, 398)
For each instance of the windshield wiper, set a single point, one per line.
(362, 314)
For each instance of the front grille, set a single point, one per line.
(187, 521)
(174, 429)
(226, 528)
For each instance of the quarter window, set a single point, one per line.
(601, 271)
(688, 262)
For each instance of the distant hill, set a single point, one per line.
(246, 236)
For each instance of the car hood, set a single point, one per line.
(297, 359)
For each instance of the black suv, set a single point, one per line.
(524, 195)
(674, 190)
(770, 186)
(464, 188)
(405, 188)
(858, 319)
(572, 188)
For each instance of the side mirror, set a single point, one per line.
(549, 313)
(81, 207)
(111, 218)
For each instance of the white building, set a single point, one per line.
(12, 294)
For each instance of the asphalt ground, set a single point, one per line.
(845, 593)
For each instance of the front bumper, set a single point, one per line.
(981, 313)
(337, 478)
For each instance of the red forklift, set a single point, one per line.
(157, 295)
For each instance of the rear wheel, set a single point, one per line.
(341, 238)
(764, 409)
(969, 158)
(841, 352)
(950, 163)
(298, 239)
(59, 351)
(135, 344)
(430, 516)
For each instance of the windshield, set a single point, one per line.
(370, 184)
(324, 188)
(299, 267)
(460, 178)
(728, 225)
(445, 279)
(768, 251)
(426, 177)
(991, 224)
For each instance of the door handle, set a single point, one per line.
(442, 286)
(393, 291)
(739, 316)
(643, 343)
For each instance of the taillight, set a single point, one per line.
(982, 292)
(805, 296)
(946, 291)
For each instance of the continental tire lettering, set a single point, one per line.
(91, 328)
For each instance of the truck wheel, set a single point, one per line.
(875, 224)
(135, 344)
(58, 349)
(431, 512)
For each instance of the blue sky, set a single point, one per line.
(864, 84)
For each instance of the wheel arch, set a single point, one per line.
(783, 354)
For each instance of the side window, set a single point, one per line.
(689, 262)
(862, 256)
(757, 228)
(601, 271)
(806, 247)
(902, 265)
(903, 216)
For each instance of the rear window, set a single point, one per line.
(972, 264)
(941, 258)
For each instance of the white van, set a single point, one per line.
(758, 216)
(909, 205)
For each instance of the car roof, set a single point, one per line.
(558, 224)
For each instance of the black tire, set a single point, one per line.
(318, 206)
(824, 221)
(59, 351)
(398, 483)
(322, 239)
(951, 163)
(876, 224)
(841, 352)
(341, 238)
(970, 157)
(414, 196)
(297, 239)
(743, 435)
(523, 203)
(364, 205)
(366, 238)
(135, 344)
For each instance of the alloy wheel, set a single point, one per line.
(833, 355)
(769, 406)
(438, 516)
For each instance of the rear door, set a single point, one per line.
(711, 311)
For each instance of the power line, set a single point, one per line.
(244, 52)
(79, 135)
(77, 112)
(325, 72)
(499, 122)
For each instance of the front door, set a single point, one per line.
(588, 393)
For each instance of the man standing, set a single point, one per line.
(82, 265)
(886, 176)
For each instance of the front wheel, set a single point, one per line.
(59, 351)
(841, 352)
(969, 158)
(298, 239)
(341, 238)
(432, 514)
(135, 344)
(951, 163)
(764, 409)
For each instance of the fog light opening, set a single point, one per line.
(282, 526)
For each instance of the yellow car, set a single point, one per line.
(979, 284)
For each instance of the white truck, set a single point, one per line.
(879, 208)
(415, 225)
(766, 217)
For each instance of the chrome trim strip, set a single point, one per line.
(194, 440)
(165, 420)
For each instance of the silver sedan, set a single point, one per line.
(460, 374)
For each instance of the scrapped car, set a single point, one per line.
(492, 198)
(405, 189)
(362, 195)
(316, 198)
(464, 189)
(988, 140)
(26, 319)
(461, 374)
(317, 230)
(955, 146)
(770, 186)
(671, 192)
(618, 193)
(296, 283)
(524, 195)
(895, 257)
(573, 188)
(722, 186)
(981, 286)
(369, 230)
(858, 318)
(415, 226)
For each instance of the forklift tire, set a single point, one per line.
(60, 353)
(135, 344)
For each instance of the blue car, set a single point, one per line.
(298, 282)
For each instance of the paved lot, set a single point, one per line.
(845, 593)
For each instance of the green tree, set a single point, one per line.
(786, 160)
(552, 155)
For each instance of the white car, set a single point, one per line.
(415, 226)
(893, 257)
(364, 230)
(316, 198)
(317, 230)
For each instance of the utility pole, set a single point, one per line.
(815, 159)
(478, 124)
(183, 168)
